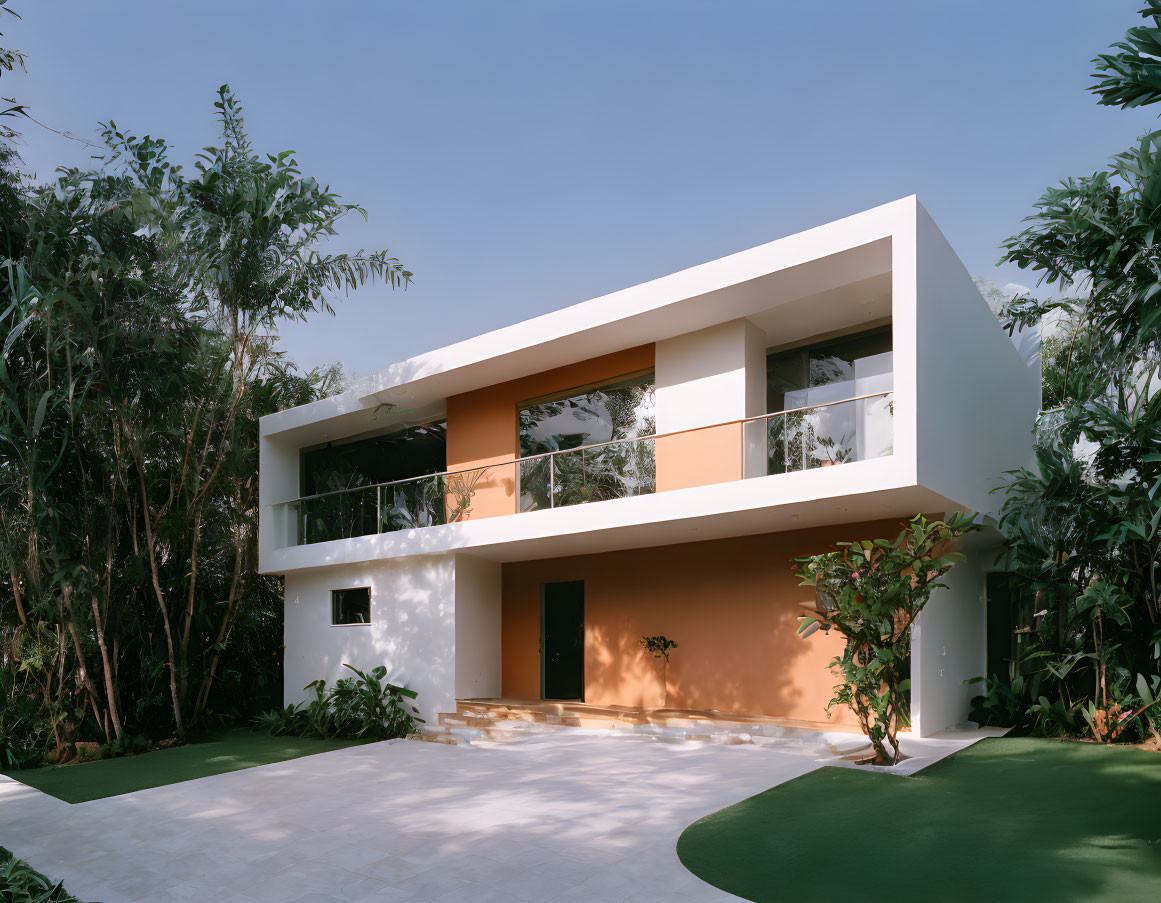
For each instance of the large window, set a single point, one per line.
(572, 423)
(838, 397)
(351, 606)
(340, 480)
(620, 410)
(410, 452)
(858, 364)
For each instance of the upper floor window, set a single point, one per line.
(834, 370)
(414, 451)
(623, 409)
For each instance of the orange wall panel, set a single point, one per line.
(731, 604)
(482, 425)
(699, 457)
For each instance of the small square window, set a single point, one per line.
(351, 606)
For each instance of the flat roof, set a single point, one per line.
(805, 263)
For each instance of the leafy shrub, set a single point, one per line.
(25, 735)
(871, 592)
(1003, 703)
(126, 745)
(279, 721)
(360, 707)
(20, 883)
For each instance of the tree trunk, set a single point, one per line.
(159, 593)
(82, 667)
(110, 693)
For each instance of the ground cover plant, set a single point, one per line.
(1006, 819)
(1084, 526)
(20, 883)
(138, 308)
(871, 592)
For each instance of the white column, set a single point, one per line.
(949, 642)
(711, 376)
(477, 653)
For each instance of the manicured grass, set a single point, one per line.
(230, 751)
(1006, 819)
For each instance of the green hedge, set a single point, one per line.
(20, 883)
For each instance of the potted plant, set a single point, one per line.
(659, 647)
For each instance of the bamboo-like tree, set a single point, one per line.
(242, 241)
(138, 312)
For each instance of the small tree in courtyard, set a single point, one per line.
(871, 592)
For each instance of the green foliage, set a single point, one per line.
(10, 60)
(126, 745)
(138, 314)
(24, 736)
(362, 707)
(657, 646)
(20, 883)
(1004, 702)
(1084, 526)
(871, 592)
(1131, 77)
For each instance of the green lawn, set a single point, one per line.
(1006, 819)
(231, 751)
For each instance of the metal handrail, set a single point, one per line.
(583, 448)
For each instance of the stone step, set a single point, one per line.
(463, 719)
(503, 722)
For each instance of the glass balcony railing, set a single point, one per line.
(835, 433)
(807, 438)
(618, 469)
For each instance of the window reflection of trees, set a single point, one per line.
(619, 414)
(835, 434)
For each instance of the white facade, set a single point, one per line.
(963, 405)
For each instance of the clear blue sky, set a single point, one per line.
(522, 156)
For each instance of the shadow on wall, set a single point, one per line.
(732, 605)
(412, 629)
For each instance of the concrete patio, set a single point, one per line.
(573, 815)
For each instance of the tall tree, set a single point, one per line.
(137, 352)
(1084, 526)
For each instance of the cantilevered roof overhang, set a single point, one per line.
(851, 250)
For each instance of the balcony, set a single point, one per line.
(803, 438)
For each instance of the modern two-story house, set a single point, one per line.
(507, 516)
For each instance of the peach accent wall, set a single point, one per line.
(482, 425)
(699, 457)
(731, 604)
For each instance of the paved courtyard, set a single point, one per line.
(568, 816)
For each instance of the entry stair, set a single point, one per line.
(504, 721)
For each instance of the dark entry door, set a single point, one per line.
(562, 640)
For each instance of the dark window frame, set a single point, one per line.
(377, 433)
(334, 607)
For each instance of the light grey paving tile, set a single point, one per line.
(431, 884)
(573, 817)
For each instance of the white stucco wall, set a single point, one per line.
(705, 377)
(977, 397)
(412, 629)
(949, 641)
(477, 627)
